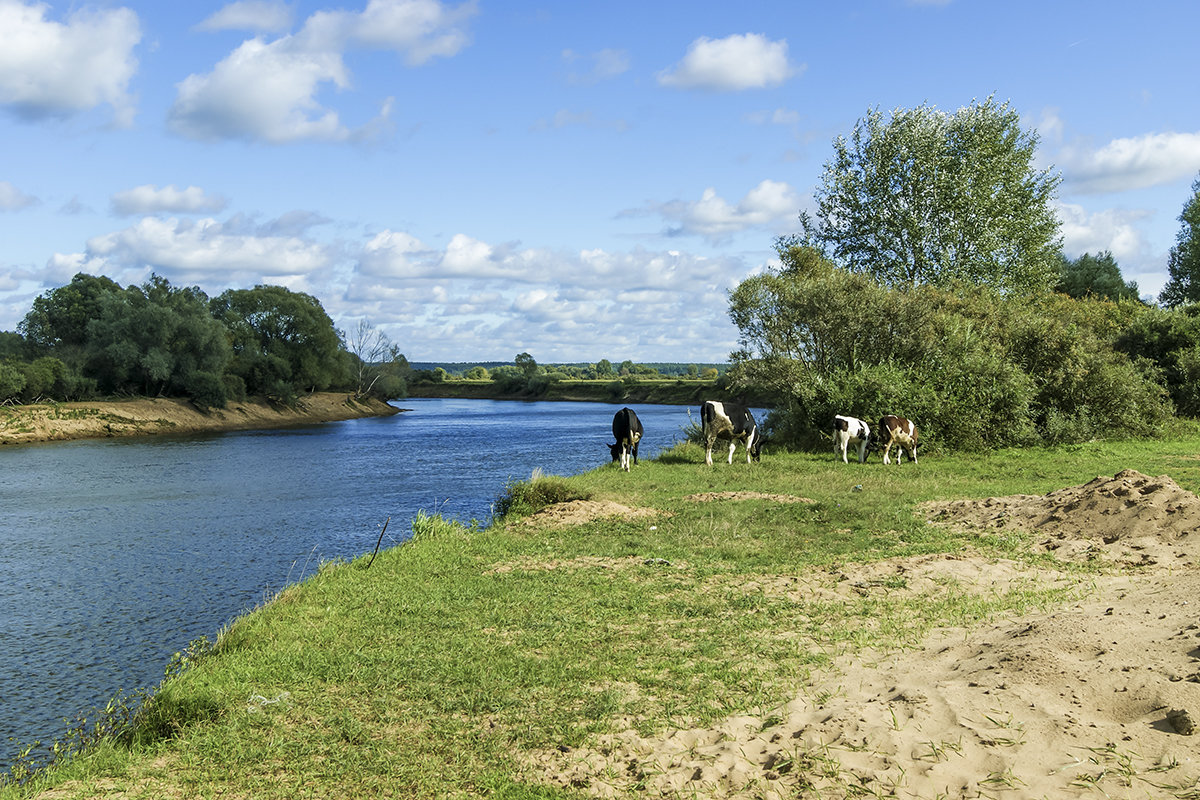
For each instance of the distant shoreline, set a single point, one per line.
(48, 422)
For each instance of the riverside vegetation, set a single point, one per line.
(441, 668)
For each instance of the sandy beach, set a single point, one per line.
(1097, 698)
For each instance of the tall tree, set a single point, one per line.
(283, 341)
(1097, 276)
(158, 339)
(926, 196)
(1183, 264)
(376, 362)
(59, 318)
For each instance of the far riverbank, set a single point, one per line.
(43, 422)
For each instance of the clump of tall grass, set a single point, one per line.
(521, 498)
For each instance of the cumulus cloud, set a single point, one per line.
(741, 61)
(13, 199)
(768, 205)
(460, 299)
(1131, 163)
(50, 69)
(148, 199)
(267, 90)
(419, 30)
(262, 91)
(202, 251)
(1120, 232)
(267, 16)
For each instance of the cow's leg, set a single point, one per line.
(862, 452)
(912, 452)
(708, 452)
(886, 448)
(839, 446)
(732, 447)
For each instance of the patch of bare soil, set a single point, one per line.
(578, 512)
(142, 416)
(708, 497)
(1099, 698)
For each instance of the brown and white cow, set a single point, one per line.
(850, 431)
(733, 422)
(900, 432)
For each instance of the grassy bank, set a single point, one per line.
(435, 671)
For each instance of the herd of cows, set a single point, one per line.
(735, 423)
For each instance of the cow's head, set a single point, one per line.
(755, 445)
(615, 449)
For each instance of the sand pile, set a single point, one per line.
(1096, 699)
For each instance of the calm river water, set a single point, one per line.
(116, 553)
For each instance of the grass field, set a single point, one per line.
(435, 670)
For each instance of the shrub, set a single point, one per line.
(522, 498)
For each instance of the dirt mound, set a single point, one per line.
(578, 512)
(1129, 518)
(1099, 698)
(708, 497)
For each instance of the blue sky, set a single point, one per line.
(576, 180)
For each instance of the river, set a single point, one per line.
(116, 553)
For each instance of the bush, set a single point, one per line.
(974, 368)
(522, 498)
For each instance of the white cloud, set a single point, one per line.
(204, 251)
(1114, 230)
(417, 29)
(50, 68)
(149, 199)
(768, 205)
(747, 61)
(262, 91)
(268, 16)
(13, 199)
(267, 90)
(461, 300)
(1131, 163)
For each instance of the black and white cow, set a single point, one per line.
(900, 432)
(627, 430)
(733, 422)
(851, 431)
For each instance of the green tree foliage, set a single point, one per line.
(525, 363)
(12, 381)
(1096, 276)
(1171, 341)
(156, 339)
(59, 318)
(1183, 263)
(976, 368)
(931, 197)
(283, 341)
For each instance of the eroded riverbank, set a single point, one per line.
(45, 422)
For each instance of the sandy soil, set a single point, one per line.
(1095, 699)
(142, 416)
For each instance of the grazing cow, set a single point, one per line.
(732, 422)
(627, 430)
(900, 432)
(850, 431)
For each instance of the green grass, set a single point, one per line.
(428, 674)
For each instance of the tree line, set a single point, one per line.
(93, 338)
(930, 283)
